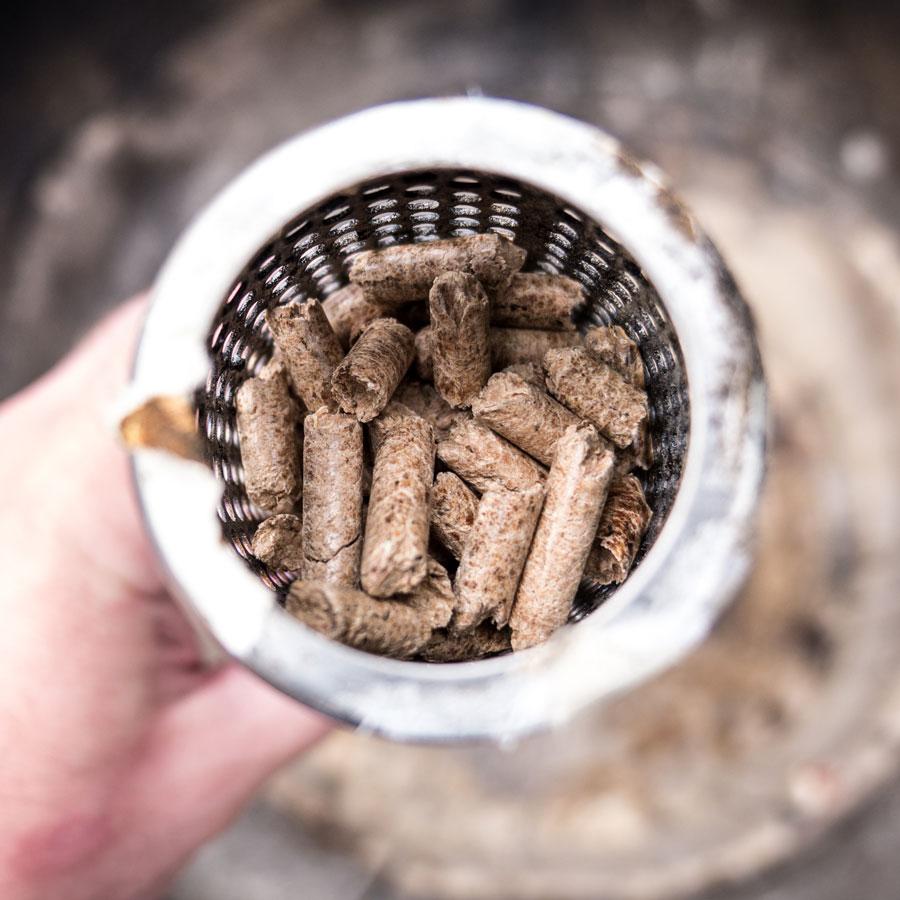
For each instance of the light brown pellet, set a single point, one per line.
(493, 556)
(309, 347)
(386, 419)
(390, 627)
(267, 422)
(486, 460)
(597, 393)
(537, 300)
(528, 371)
(433, 598)
(611, 345)
(453, 509)
(278, 542)
(332, 498)
(623, 523)
(369, 374)
(349, 312)
(425, 401)
(510, 346)
(424, 360)
(406, 271)
(486, 640)
(576, 491)
(524, 414)
(395, 548)
(460, 338)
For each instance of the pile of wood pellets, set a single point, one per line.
(439, 493)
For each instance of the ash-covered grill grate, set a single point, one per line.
(309, 258)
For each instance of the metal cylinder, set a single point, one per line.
(579, 205)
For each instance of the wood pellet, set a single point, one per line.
(394, 627)
(487, 461)
(460, 337)
(576, 492)
(493, 556)
(395, 548)
(367, 377)
(278, 542)
(509, 347)
(349, 312)
(267, 422)
(453, 509)
(523, 413)
(534, 427)
(612, 346)
(407, 271)
(623, 523)
(309, 347)
(598, 394)
(537, 300)
(332, 498)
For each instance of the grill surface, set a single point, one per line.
(309, 257)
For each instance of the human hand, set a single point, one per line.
(119, 751)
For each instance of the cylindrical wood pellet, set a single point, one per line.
(537, 300)
(625, 518)
(524, 414)
(309, 347)
(521, 345)
(528, 371)
(278, 542)
(576, 491)
(423, 358)
(612, 346)
(509, 347)
(460, 337)
(597, 393)
(386, 419)
(453, 509)
(486, 460)
(395, 549)
(389, 627)
(406, 271)
(349, 312)
(493, 556)
(486, 640)
(333, 498)
(433, 598)
(425, 401)
(369, 374)
(267, 422)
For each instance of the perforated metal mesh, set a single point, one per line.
(309, 257)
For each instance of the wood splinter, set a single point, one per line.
(623, 524)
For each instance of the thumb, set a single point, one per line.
(215, 746)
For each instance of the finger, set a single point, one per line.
(73, 483)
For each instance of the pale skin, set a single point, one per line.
(120, 752)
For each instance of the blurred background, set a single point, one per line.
(766, 765)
